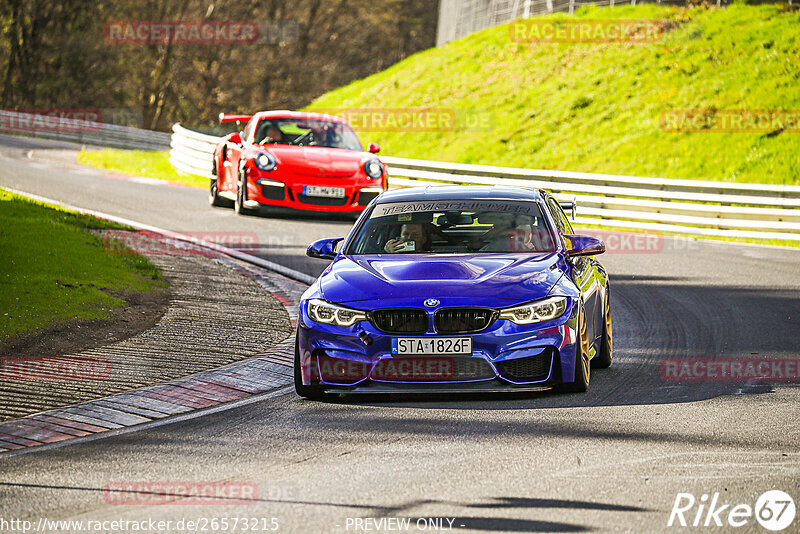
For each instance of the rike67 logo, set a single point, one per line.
(774, 510)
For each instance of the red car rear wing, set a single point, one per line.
(223, 118)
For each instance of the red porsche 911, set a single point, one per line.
(301, 161)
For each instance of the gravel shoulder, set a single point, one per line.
(215, 316)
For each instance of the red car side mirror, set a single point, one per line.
(374, 148)
(235, 137)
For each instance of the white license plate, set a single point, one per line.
(436, 346)
(320, 191)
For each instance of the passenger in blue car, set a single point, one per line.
(510, 232)
(414, 237)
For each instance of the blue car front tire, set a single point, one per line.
(308, 392)
(582, 363)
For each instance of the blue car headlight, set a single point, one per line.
(536, 312)
(327, 313)
(265, 161)
(373, 168)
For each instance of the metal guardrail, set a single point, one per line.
(82, 131)
(703, 208)
(192, 152)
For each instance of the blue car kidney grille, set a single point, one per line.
(400, 320)
(462, 320)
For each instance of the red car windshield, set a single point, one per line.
(306, 132)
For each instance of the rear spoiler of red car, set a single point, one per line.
(223, 118)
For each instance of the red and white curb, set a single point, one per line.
(260, 374)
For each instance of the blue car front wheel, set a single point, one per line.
(308, 392)
(603, 358)
(582, 363)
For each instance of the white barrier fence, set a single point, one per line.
(702, 208)
(192, 152)
(51, 126)
(458, 18)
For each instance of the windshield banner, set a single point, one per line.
(399, 208)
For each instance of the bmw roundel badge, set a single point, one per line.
(431, 303)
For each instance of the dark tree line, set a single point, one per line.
(54, 54)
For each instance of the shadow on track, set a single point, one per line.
(655, 319)
(504, 524)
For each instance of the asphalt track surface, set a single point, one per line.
(613, 459)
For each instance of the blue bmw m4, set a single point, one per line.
(455, 289)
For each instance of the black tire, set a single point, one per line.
(214, 199)
(582, 363)
(603, 358)
(241, 195)
(307, 392)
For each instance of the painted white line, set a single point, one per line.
(266, 264)
(148, 181)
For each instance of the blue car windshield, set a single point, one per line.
(452, 227)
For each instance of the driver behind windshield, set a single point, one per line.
(511, 233)
(306, 133)
(274, 135)
(414, 237)
(454, 227)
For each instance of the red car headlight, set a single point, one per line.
(265, 161)
(373, 168)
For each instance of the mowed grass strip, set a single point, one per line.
(54, 270)
(147, 163)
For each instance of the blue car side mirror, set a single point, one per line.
(324, 249)
(583, 245)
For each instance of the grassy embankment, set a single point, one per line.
(54, 271)
(598, 107)
(592, 107)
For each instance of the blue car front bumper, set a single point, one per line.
(505, 356)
